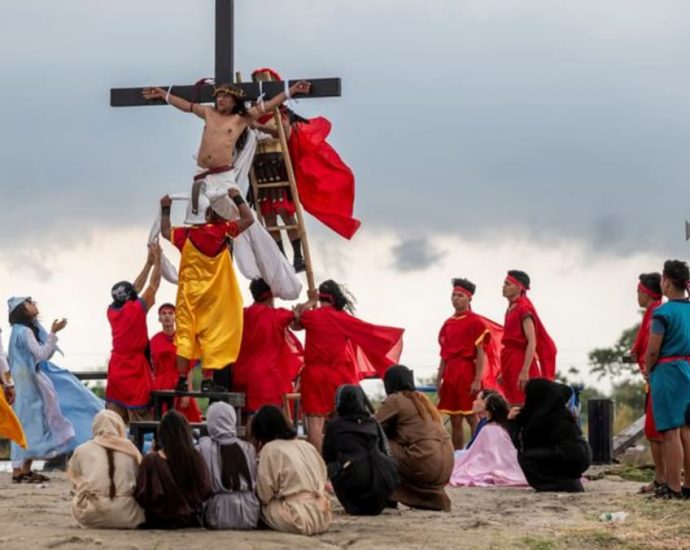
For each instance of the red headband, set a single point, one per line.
(462, 290)
(648, 291)
(517, 283)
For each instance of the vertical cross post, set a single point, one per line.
(225, 38)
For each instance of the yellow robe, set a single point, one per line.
(10, 426)
(209, 308)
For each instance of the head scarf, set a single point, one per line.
(544, 417)
(350, 401)
(398, 378)
(109, 433)
(14, 302)
(123, 292)
(222, 423)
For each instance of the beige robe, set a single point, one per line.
(291, 487)
(91, 504)
(423, 452)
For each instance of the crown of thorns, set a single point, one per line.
(228, 89)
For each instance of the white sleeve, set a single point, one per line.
(4, 366)
(41, 352)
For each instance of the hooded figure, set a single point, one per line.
(103, 473)
(551, 450)
(356, 453)
(419, 443)
(232, 467)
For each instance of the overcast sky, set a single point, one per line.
(562, 125)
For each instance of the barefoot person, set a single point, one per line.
(130, 378)
(668, 361)
(462, 338)
(209, 303)
(649, 298)
(528, 351)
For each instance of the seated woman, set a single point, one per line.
(491, 457)
(173, 481)
(419, 443)
(357, 455)
(551, 450)
(103, 473)
(291, 477)
(232, 468)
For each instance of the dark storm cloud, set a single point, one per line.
(555, 119)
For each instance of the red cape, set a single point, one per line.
(546, 348)
(639, 348)
(325, 184)
(492, 348)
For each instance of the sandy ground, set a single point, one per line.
(39, 517)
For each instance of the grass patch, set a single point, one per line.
(538, 544)
(629, 472)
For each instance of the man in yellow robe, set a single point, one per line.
(209, 303)
(10, 427)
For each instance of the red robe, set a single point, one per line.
(341, 349)
(514, 344)
(130, 378)
(270, 357)
(639, 348)
(325, 184)
(459, 337)
(165, 375)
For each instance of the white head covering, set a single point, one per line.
(222, 423)
(16, 301)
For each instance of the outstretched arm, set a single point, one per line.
(149, 295)
(257, 111)
(175, 101)
(246, 216)
(166, 227)
(140, 281)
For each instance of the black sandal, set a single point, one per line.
(650, 487)
(666, 493)
(35, 477)
(21, 478)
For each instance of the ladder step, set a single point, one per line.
(270, 185)
(286, 227)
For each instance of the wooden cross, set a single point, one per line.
(224, 72)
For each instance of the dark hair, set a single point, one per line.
(330, 291)
(259, 288)
(20, 316)
(233, 467)
(521, 276)
(175, 437)
(652, 281)
(497, 407)
(269, 423)
(111, 472)
(677, 272)
(466, 284)
(166, 305)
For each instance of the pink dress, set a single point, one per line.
(491, 460)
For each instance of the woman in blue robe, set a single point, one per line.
(55, 409)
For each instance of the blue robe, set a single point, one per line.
(55, 409)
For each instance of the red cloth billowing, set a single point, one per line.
(325, 183)
(639, 348)
(459, 337)
(130, 378)
(165, 374)
(514, 345)
(270, 357)
(341, 349)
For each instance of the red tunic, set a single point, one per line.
(513, 351)
(165, 375)
(639, 348)
(341, 349)
(459, 337)
(270, 357)
(130, 379)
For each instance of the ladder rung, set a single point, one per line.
(276, 184)
(277, 227)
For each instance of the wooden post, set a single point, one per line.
(225, 27)
(311, 285)
(600, 414)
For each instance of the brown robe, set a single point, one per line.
(166, 506)
(423, 452)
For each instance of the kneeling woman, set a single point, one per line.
(551, 450)
(490, 458)
(357, 455)
(173, 482)
(418, 442)
(103, 473)
(291, 477)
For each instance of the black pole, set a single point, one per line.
(225, 37)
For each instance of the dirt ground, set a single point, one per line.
(39, 517)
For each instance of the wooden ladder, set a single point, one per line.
(277, 180)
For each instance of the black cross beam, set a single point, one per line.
(224, 72)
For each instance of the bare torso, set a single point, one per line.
(221, 133)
